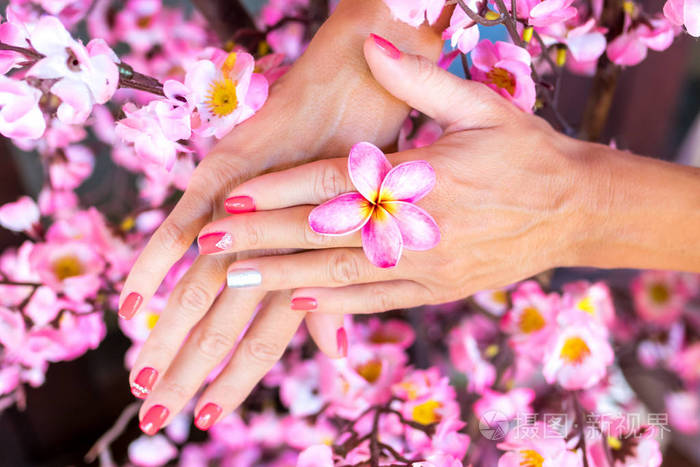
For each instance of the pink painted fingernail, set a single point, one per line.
(214, 242)
(342, 338)
(387, 47)
(304, 304)
(239, 204)
(143, 383)
(130, 306)
(154, 419)
(207, 416)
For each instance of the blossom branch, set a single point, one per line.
(101, 446)
(478, 18)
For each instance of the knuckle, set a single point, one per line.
(425, 69)
(176, 390)
(252, 234)
(264, 351)
(213, 344)
(381, 298)
(344, 268)
(329, 182)
(313, 238)
(172, 237)
(194, 298)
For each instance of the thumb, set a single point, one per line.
(455, 103)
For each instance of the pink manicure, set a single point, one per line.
(214, 242)
(239, 204)
(207, 416)
(154, 419)
(342, 337)
(130, 306)
(387, 47)
(143, 383)
(304, 304)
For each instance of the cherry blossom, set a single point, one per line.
(684, 13)
(416, 12)
(383, 207)
(20, 116)
(21, 215)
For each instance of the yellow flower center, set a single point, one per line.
(500, 297)
(426, 413)
(614, 442)
(370, 371)
(410, 388)
(222, 99)
(380, 337)
(67, 266)
(574, 350)
(531, 458)
(659, 293)
(586, 304)
(151, 320)
(502, 78)
(531, 320)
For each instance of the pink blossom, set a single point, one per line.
(384, 332)
(541, 446)
(9, 379)
(425, 135)
(463, 33)
(20, 116)
(687, 363)
(578, 355)
(630, 47)
(511, 405)
(493, 301)
(593, 299)
(383, 207)
(85, 74)
(547, 12)
(505, 68)
(683, 411)
(151, 451)
(684, 13)
(71, 167)
(659, 296)
(299, 389)
(20, 215)
(415, 12)
(57, 202)
(532, 319)
(225, 92)
(13, 34)
(316, 456)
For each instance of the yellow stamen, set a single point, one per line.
(151, 320)
(500, 297)
(502, 78)
(426, 413)
(527, 33)
(370, 371)
(614, 443)
(561, 56)
(586, 304)
(222, 99)
(127, 224)
(531, 320)
(491, 351)
(67, 266)
(491, 15)
(574, 350)
(659, 293)
(531, 458)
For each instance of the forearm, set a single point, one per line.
(642, 213)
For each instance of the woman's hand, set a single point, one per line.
(508, 199)
(326, 102)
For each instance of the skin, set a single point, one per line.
(513, 198)
(312, 112)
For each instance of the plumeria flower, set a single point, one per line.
(684, 13)
(20, 115)
(415, 12)
(382, 208)
(225, 92)
(85, 74)
(505, 68)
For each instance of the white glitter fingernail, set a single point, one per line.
(239, 278)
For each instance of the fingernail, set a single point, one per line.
(143, 383)
(387, 47)
(240, 278)
(130, 306)
(214, 242)
(304, 303)
(342, 338)
(207, 416)
(154, 419)
(239, 204)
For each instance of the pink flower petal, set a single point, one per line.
(409, 181)
(342, 215)
(381, 239)
(419, 230)
(367, 166)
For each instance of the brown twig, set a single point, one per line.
(102, 444)
(478, 18)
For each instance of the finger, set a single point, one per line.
(362, 298)
(207, 346)
(455, 103)
(188, 302)
(261, 347)
(264, 230)
(320, 268)
(328, 331)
